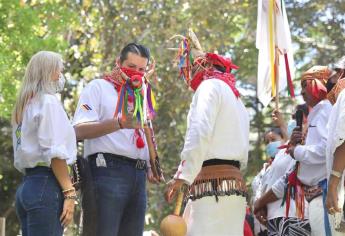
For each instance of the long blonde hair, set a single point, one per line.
(37, 80)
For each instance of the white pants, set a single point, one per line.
(206, 217)
(316, 219)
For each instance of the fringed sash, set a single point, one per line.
(218, 180)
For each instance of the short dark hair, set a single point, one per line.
(134, 48)
(220, 68)
(304, 108)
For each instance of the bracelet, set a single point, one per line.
(118, 121)
(336, 174)
(68, 190)
(73, 197)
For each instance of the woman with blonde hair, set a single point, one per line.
(44, 143)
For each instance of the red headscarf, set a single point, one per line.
(315, 79)
(211, 73)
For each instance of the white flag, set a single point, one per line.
(282, 40)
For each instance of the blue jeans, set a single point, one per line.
(121, 198)
(39, 203)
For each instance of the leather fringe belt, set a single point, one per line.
(218, 180)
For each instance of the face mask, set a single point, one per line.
(290, 127)
(272, 148)
(60, 83)
(56, 86)
(131, 72)
(135, 77)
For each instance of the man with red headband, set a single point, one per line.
(108, 121)
(216, 145)
(308, 179)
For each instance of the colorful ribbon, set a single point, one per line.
(271, 44)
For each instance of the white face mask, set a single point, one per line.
(56, 86)
(290, 127)
(60, 83)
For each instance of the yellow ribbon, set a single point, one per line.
(271, 40)
(153, 100)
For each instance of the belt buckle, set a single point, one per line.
(140, 165)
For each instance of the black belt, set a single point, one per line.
(38, 169)
(213, 162)
(110, 158)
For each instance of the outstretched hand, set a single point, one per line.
(173, 187)
(130, 122)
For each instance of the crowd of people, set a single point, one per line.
(299, 191)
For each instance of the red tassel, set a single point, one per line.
(139, 140)
(287, 207)
(288, 76)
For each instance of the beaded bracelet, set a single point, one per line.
(73, 197)
(68, 190)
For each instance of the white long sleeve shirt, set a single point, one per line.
(280, 166)
(217, 127)
(312, 155)
(45, 133)
(257, 187)
(336, 129)
(97, 102)
(336, 137)
(258, 183)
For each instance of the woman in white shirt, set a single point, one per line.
(44, 143)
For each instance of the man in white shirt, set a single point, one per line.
(216, 147)
(309, 176)
(335, 144)
(116, 148)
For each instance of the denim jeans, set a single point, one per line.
(39, 203)
(121, 198)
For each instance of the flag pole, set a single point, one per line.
(275, 69)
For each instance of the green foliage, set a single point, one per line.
(90, 34)
(24, 30)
